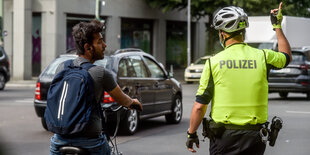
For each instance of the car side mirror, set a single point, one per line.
(170, 73)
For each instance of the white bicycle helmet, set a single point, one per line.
(230, 19)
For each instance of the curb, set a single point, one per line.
(21, 83)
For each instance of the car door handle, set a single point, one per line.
(138, 85)
(156, 84)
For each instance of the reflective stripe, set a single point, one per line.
(64, 92)
(64, 101)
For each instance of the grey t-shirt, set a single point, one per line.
(103, 81)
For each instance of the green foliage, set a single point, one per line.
(201, 8)
(299, 8)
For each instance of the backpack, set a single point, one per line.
(70, 100)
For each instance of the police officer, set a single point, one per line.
(236, 81)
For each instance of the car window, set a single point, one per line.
(125, 68)
(298, 58)
(200, 61)
(136, 63)
(122, 68)
(308, 55)
(156, 71)
(51, 69)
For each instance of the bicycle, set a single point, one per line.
(73, 150)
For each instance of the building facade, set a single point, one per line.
(37, 31)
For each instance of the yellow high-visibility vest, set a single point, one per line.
(237, 84)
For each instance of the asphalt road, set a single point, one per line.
(21, 131)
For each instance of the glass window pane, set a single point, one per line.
(136, 33)
(122, 68)
(156, 71)
(138, 66)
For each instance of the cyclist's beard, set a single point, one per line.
(96, 55)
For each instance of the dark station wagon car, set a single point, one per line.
(4, 68)
(295, 77)
(139, 75)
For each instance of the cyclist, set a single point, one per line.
(236, 81)
(90, 47)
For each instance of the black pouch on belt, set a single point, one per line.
(217, 129)
(212, 130)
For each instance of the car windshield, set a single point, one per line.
(51, 69)
(200, 61)
(298, 58)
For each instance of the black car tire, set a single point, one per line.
(177, 110)
(308, 95)
(283, 94)
(130, 123)
(44, 123)
(2, 81)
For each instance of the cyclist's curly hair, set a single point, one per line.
(83, 33)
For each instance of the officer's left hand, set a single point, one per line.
(190, 141)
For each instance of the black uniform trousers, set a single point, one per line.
(238, 142)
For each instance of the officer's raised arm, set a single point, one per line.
(276, 20)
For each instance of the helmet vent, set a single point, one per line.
(230, 24)
(228, 16)
(218, 23)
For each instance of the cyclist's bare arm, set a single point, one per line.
(120, 97)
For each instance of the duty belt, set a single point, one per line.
(256, 127)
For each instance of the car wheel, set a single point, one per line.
(44, 123)
(177, 111)
(130, 123)
(283, 94)
(2, 81)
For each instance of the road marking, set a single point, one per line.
(25, 101)
(299, 112)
